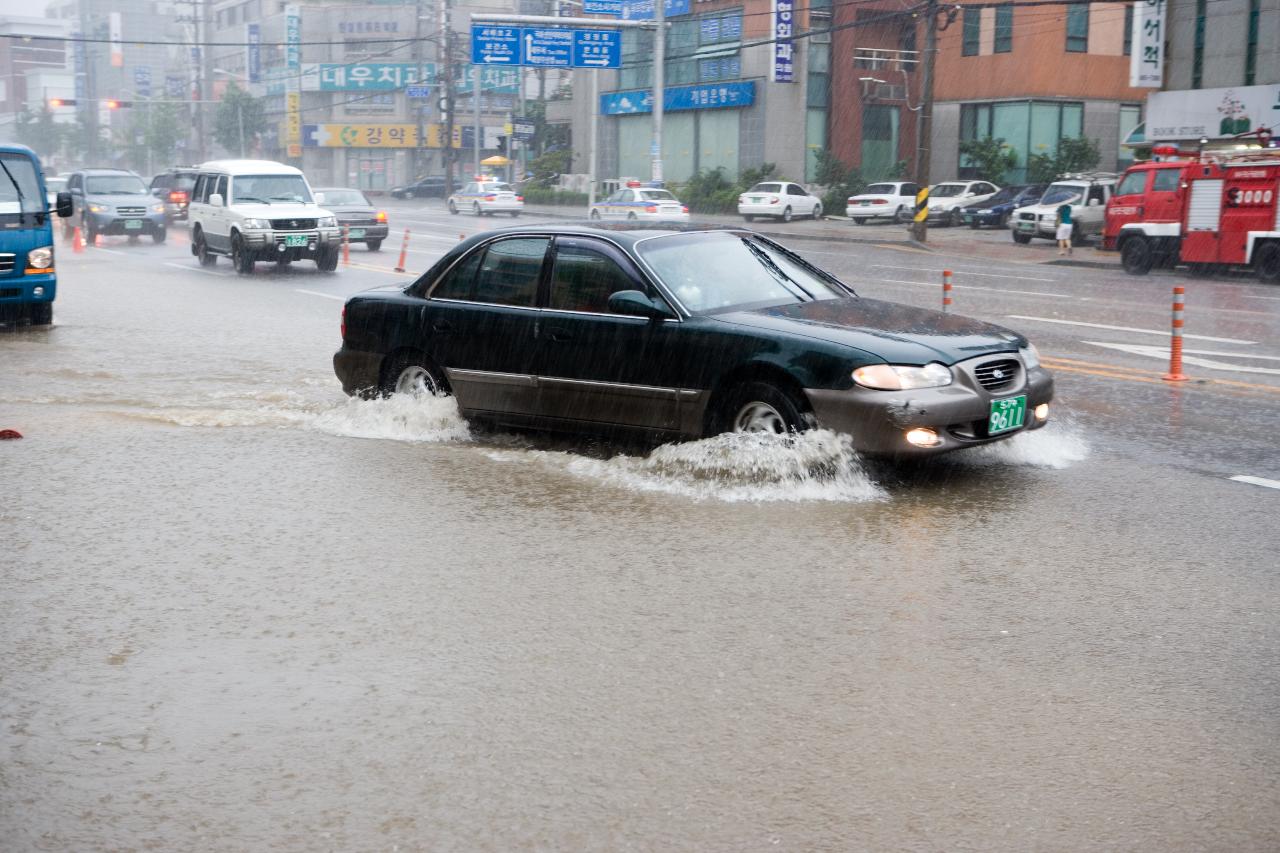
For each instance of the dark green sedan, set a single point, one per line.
(684, 333)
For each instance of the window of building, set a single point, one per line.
(1128, 29)
(1197, 55)
(1078, 29)
(972, 31)
(907, 44)
(1004, 28)
(1251, 47)
(818, 100)
(1130, 117)
(637, 59)
(1027, 127)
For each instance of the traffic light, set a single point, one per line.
(113, 104)
(54, 103)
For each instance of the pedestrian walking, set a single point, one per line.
(1065, 227)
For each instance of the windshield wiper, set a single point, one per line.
(287, 198)
(775, 270)
(22, 202)
(241, 198)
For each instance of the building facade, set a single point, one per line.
(31, 72)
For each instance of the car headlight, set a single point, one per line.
(898, 377)
(157, 208)
(257, 224)
(328, 222)
(41, 258)
(99, 208)
(1030, 356)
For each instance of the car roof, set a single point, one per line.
(344, 189)
(628, 233)
(249, 167)
(107, 171)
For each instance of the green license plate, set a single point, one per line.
(1007, 414)
(133, 224)
(356, 232)
(755, 199)
(295, 239)
(1027, 226)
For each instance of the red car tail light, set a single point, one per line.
(519, 198)
(177, 195)
(684, 208)
(774, 199)
(879, 201)
(651, 208)
(491, 198)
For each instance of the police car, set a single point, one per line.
(487, 197)
(639, 202)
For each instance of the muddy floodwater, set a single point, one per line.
(240, 611)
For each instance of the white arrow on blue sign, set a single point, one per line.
(545, 47)
(597, 49)
(548, 48)
(495, 45)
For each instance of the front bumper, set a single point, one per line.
(879, 420)
(112, 224)
(273, 245)
(19, 293)
(359, 372)
(1036, 228)
(879, 211)
(361, 232)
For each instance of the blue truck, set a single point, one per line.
(28, 280)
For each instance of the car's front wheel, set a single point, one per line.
(241, 258)
(42, 314)
(411, 373)
(159, 235)
(475, 208)
(763, 408)
(817, 211)
(955, 218)
(1019, 237)
(327, 260)
(1267, 263)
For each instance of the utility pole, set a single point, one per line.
(446, 74)
(659, 88)
(924, 127)
(90, 105)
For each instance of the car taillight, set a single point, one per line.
(491, 198)
(519, 198)
(177, 195)
(684, 208)
(879, 201)
(651, 208)
(343, 324)
(773, 199)
(382, 216)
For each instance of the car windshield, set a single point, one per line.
(270, 188)
(1006, 194)
(657, 195)
(1031, 195)
(766, 188)
(19, 189)
(947, 190)
(496, 188)
(710, 272)
(1059, 193)
(344, 197)
(881, 189)
(114, 185)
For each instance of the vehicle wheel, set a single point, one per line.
(1019, 237)
(595, 214)
(748, 217)
(42, 313)
(453, 208)
(515, 214)
(762, 407)
(1004, 220)
(901, 215)
(1136, 256)
(786, 215)
(631, 216)
(133, 239)
(283, 264)
(817, 211)
(327, 260)
(90, 234)
(240, 257)
(955, 218)
(374, 245)
(475, 208)
(858, 220)
(201, 250)
(411, 374)
(159, 236)
(974, 225)
(1267, 263)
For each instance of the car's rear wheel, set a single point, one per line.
(902, 215)
(595, 214)
(817, 211)
(748, 217)
(374, 245)
(453, 208)
(475, 208)
(762, 407)
(1019, 237)
(201, 250)
(410, 373)
(1267, 263)
(786, 215)
(1136, 256)
(858, 220)
(241, 258)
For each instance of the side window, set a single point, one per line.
(74, 183)
(1166, 180)
(910, 189)
(792, 189)
(460, 282)
(1096, 194)
(510, 271)
(584, 279)
(221, 188)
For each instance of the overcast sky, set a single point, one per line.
(29, 8)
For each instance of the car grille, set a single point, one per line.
(6, 262)
(995, 375)
(10, 292)
(1027, 217)
(131, 211)
(293, 224)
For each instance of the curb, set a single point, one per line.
(1093, 265)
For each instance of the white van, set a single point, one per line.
(1087, 193)
(259, 210)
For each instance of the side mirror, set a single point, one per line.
(216, 200)
(634, 303)
(1095, 202)
(63, 205)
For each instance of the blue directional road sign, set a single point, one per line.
(492, 45)
(602, 7)
(548, 48)
(597, 49)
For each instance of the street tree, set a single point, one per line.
(152, 134)
(39, 131)
(1079, 154)
(991, 157)
(239, 120)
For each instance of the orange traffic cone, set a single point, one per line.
(77, 240)
(97, 241)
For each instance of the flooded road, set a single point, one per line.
(242, 611)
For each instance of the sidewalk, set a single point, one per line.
(986, 244)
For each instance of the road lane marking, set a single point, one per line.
(1163, 332)
(1256, 481)
(979, 287)
(961, 272)
(190, 268)
(1189, 356)
(318, 293)
(1114, 371)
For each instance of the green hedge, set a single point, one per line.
(550, 195)
(710, 192)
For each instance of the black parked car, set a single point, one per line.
(685, 333)
(995, 211)
(429, 187)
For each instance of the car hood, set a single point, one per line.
(988, 204)
(123, 200)
(899, 334)
(351, 210)
(281, 210)
(1044, 209)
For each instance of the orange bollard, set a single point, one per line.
(1175, 373)
(404, 250)
(77, 240)
(946, 290)
(97, 241)
(346, 245)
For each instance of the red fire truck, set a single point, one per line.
(1207, 212)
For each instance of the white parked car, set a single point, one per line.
(648, 203)
(948, 200)
(259, 210)
(487, 198)
(1087, 194)
(893, 200)
(781, 199)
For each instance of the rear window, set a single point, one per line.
(881, 189)
(656, 195)
(344, 197)
(766, 188)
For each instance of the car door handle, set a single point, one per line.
(559, 335)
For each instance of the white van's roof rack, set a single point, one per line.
(1088, 176)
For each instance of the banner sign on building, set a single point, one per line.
(174, 86)
(142, 81)
(115, 34)
(642, 10)
(1146, 61)
(499, 79)
(364, 76)
(369, 136)
(1211, 113)
(710, 96)
(292, 119)
(783, 46)
(253, 52)
(77, 54)
(599, 7)
(293, 37)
